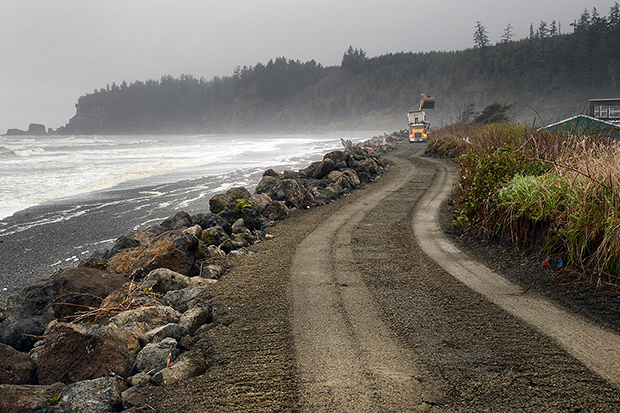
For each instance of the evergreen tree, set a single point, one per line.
(481, 42)
(508, 35)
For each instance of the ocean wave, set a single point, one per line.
(28, 152)
(7, 151)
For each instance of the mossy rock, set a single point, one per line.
(238, 193)
(219, 202)
(266, 185)
(248, 212)
(214, 236)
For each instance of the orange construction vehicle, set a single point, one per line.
(419, 129)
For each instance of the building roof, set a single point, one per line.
(585, 125)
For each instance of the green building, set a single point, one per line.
(603, 119)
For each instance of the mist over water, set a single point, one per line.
(37, 170)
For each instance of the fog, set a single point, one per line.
(52, 52)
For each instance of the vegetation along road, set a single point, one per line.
(365, 306)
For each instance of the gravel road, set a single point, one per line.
(344, 311)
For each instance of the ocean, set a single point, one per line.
(39, 169)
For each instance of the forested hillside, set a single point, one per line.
(547, 76)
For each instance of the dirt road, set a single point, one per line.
(345, 310)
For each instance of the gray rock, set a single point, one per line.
(93, 396)
(183, 299)
(242, 251)
(260, 201)
(276, 211)
(155, 356)
(176, 331)
(140, 379)
(214, 236)
(238, 227)
(209, 220)
(147, 318)
(289, 191)
(266, 184)
(179, 220)
(195, 317)
(188, 365)
(195, 231)
(326, 166)
(133, 397)
(163, 280)
(212, 272)
(26, 315)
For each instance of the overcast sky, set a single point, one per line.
(52, 52)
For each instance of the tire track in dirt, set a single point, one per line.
(349, 359)
(597, 348)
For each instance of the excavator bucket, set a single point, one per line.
(427, 102)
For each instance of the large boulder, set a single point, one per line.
(288, 191)
(209, 220)
(266, 184)
(101, 395)
(29, 398)
(260, 201)
(323, 168)
(175, 250)
(74, 353)
(26, 315)
(23, 333)
(188, 365)
(276, 210)
(179, 221)
(163, 280)
(156, 356)
(214, 236)
(339, 157)
(143, 319)
(16, 367)
(79, 289)
(31, 300)
(241, 209)
(220, 202)
(184, 299)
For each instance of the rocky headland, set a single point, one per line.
(88, 338)
(34, 129)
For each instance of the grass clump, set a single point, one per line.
(557, 192)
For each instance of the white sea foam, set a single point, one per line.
(38, 169)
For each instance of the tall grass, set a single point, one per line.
(556, 192)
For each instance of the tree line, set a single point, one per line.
(549, 74)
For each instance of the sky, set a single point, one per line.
(53, 52)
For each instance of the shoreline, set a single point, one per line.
(43, 239)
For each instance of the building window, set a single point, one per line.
(600, 111)
(606, 111)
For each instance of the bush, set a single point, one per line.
(556, 191)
